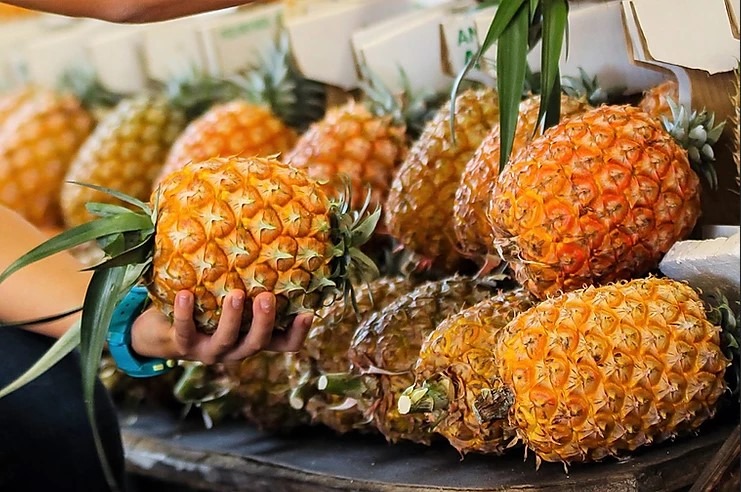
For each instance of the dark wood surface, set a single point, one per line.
(235, 456)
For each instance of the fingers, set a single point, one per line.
(227, 332)
(185, 329)
(261, 330)
(293, 339)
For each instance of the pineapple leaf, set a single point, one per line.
(106, 209)
(63, 346)
(117, 194)
(103, 293)
(512, 60)
(555, 13)
(136, 255)
(505, 15)
(79, 235)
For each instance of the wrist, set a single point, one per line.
(150, 337)
(120, 343)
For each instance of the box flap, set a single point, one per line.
(234, 42)
(461, 38)
(320, 40)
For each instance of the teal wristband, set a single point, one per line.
(119, 338)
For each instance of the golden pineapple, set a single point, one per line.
(597, 198)
(229, 129)
(419, 209)
(655, 101)
(455, 367)
(385, 348)
(125, 153)
(604, 370)
(325, 352)
(40, 133)
(472, 197)
(259, 120)
(352, 141)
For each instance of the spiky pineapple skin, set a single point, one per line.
(480, 174)
(252, 224)
(604, 370)
(230, 129)
(599, 197)
(419, 208)
(125, 152)
(459, 350)
(351, 141)
(390, 340)
(654, 100)
(39, 137)
(13, 99)
(325, 350)
(261, 383)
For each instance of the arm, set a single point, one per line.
(127, 11)
(56, 284)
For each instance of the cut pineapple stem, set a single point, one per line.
(341, 383)
(306, 388)
(429, 397)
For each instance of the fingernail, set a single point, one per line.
(267, 304)
(307, 322)
(237, 301)
(183, 300)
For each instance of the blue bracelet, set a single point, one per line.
(119, 338)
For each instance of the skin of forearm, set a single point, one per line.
(128, 11)
(51, 286)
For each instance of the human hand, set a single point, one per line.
(153, 335)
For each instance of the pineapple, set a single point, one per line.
(257, 121)
(40, 132)
(472, 197)
(364, 142)
(325, 351)
(386, 345)
(129, 146)
(597, 198)
(604, 370)
(255, 388)
(455, 366)
(253, 224)
(419, 208)
(655, 101)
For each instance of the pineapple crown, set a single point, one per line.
(83, 82)
(720, 313)
(410, 108)
(277, 82)
(696, 132)
(194, 91)
(589, 88)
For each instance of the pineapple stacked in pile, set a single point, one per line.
(570, 347)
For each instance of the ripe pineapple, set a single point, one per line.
(386, 345)
(125, 152)
(597, 198)
(419, 208)
(129, 146)
(655, 100)
(364, 142)
(455, 366)
(40, 132)
(259, 119)
(604, 370)
(325, 352)
(255, 388)
(230, 223)
(473, 194)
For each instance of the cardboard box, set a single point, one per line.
(462, 35)
(321, 39)
(23, 31)
(699, 46)
(116, 59)
(234, 42)
(398, 42)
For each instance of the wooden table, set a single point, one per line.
(235, 456)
